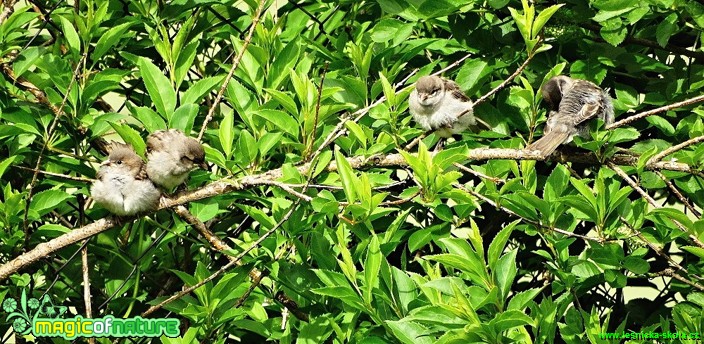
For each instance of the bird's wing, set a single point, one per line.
(154, 140)
(454, 89)
(584, 100)
(588, 111)
(142, 174)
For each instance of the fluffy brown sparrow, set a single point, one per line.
(122, 186)
(439, 104)
(572, 103)
(171, 155)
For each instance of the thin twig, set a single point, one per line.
(50, 133)
(652, 246)
(627, 120)
(673, 274)
(675, 148)
(86, 282)
(78, 179)
(356, 116)
(679, 195)
(235, 63)
(651, 201)
(224, 268)
(255, 275)
(535, 223)
(508, 80)
(310, 144)
(479, 174)
(288, 188)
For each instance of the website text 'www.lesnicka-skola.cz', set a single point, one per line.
(649, 335)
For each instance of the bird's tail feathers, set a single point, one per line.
(548, 143)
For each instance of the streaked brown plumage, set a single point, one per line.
(572, 103)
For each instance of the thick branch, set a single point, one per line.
(358, 162)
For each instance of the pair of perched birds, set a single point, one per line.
(439, 105)
(125, 185)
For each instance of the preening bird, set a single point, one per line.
(171, 155)
(122, 186)
(439, 104)
(572, 103)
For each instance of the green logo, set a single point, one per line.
(24, 311)
(42, 318)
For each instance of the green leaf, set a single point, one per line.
(45, 201)
(372, 266)
(504, 272)
(284, 99)
(661, 124)
(357, 132)
(204, 211)
(280, 120)
(499, 243)
(636, 265)
(195, 93)
(5, 163)
(150, 119)
(666, 29)
(409, 332)
(613, 31)
(347, 177)
(159, 88)
(108, 40)
(246, 148)
(74, 42)
(543, 18)
(131, 137)
(184, 117)
(284, 61)
(184, 62)
(556, 183)
(226, 133)
(471, 72)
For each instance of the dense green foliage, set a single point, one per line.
(415, 251)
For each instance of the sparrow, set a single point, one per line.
(439, 104)
(171, 155)
(122, 186)
(572, 103)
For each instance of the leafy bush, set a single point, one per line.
(315, 224)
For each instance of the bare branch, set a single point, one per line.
(651, 201)
(227, 186)
(235, 62)
(679, 195)
(630, 119)
(675, 148)
(535, 223)
(508, 80)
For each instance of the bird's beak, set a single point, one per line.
(106, 163)
(204, 165)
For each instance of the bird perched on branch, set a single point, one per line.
(439, 104)
(572, 103)
(171, 156)
(122, 186)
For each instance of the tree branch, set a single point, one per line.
(235, 63)
(358, 162)
(628, 120)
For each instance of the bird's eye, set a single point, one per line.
(119, 162)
